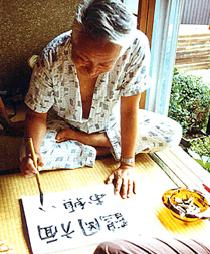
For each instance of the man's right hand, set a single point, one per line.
(27, 166)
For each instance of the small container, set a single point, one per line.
(186, 204)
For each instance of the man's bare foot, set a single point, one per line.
(99, 141)
(66, 134)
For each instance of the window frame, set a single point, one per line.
(167, 18)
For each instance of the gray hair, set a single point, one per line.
(104, 19)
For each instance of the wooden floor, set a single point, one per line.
(182, 169)
(151, 217)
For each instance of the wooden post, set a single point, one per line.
(146, 10)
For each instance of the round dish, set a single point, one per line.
(185, 204)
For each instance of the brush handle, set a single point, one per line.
(31, 150)
(30, 146)
(38, 182)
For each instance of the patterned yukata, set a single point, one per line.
(55, 88)
(153, 245)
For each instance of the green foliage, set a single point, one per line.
(199, 150)
(201, 146)
(189, 102)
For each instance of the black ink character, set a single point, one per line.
(89, 228)
(97, 198)
(41, 208)
(67, 230)
(79, 203)
(47, 233)
(71, 206)
(114, 221)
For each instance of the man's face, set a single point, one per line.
(93, 57)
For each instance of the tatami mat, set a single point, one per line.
(152, 218)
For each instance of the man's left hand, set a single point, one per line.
(124, 180)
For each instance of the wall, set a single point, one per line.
(193, 48)
(26, 27)
(196, 12)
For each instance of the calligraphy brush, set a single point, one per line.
(30, 146)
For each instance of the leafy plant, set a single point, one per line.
(199, 150)
(201, 146)
(189, 103)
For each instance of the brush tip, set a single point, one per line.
(41, 198)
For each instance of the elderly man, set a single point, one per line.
(84, 95)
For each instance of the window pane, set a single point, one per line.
(193, 50)
(132, 5)
(190, 93)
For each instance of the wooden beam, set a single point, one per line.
(145, 18)
(146, 10)
(142, 15)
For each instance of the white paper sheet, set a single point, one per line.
(75, 218)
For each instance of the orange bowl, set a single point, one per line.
(186, 204)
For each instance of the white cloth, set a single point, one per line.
(55, 87)
(54, 83)
(156, 132)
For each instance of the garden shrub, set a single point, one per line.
(201, 146)
(199, 150)
(189, 102)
